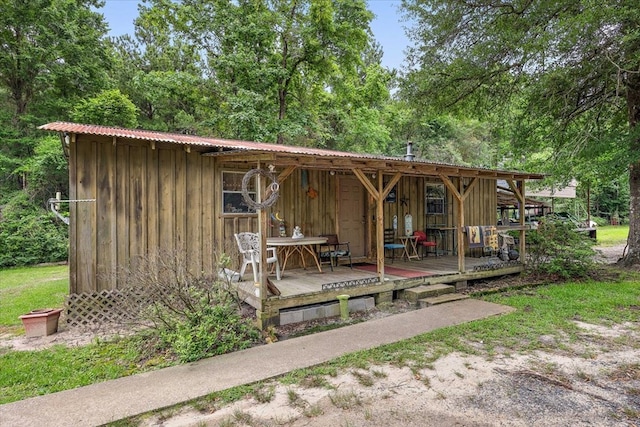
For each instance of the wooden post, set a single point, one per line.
(380, 229)
(262, 232)
(518, 190)
(522, 218)
(459, 217)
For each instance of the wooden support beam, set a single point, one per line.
(517, 190)
(450, 186)
(286, 173)
(367, 184)
(262, 232)
(390, 184)
(380, 230)
(460, 195)
(522, 212)
(467, 191)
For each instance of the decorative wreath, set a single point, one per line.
(271, 193)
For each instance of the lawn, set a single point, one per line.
(543, 311)
(29, 288)
(610, 235)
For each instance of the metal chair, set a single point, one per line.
(424, 242)
(390, 243)
(249, 247)
(334, 249)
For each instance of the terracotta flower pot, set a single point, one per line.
(38, 323)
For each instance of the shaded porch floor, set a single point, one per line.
(299, 282)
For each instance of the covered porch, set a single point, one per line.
(394, 195)
(300, 287)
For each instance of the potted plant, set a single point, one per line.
(38, 323)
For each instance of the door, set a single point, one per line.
(351, 214)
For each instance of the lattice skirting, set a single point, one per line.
(350, 283)
(109, 306)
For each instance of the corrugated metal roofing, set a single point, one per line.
(176, 138)
(227, 144)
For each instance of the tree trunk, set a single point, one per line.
(633, 104)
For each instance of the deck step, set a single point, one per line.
(426, 291)
(441, 299)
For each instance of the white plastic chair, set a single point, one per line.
(249, 246)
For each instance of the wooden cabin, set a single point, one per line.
(135, 191)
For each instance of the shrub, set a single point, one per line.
(30, 235)
(193, 314)
(556, 248)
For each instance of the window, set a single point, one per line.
(434, 199)
(232, 200)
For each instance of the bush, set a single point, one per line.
(556, 248)
(195, 315)
(30, 235)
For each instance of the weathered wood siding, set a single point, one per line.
(154, 196)
(147, 199)
(479, 206)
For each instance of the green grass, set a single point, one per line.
(610, 235)
(30, 288)
(548, 310)
(25, 374)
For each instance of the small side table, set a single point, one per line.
(410, 247)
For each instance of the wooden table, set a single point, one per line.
(410, 247)
(286, 246)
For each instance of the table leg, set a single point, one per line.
(309, 249)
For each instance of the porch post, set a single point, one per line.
(522, 214)
(460, 224)
(379, 195)
(459, 217)
(380, 229)
(262, 229)
(518, 190)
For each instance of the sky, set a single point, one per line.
(386, 26)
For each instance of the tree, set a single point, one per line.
(565, 75)
(108, 108)
(50, 51)
(270, 62)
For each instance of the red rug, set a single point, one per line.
(393, 271)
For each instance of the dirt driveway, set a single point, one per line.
(595, 382)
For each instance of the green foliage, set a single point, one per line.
(51, 51)
(30, 235)
(611, 198)
(557, 77)
(108, 108)
(194, 315)
(209, 330)
(47, 170)
(303, 73)
(556, 248)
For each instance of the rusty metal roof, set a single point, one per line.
(228, 145)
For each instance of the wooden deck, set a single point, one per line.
(300, 287)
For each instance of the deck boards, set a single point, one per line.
(298, 282)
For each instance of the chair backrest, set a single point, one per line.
(389, 235)
(332, 239)
(248, 242)
(421, 235)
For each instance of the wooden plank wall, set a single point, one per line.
(148, 198)
(314, 215)
(480, 205)
(161, 196)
